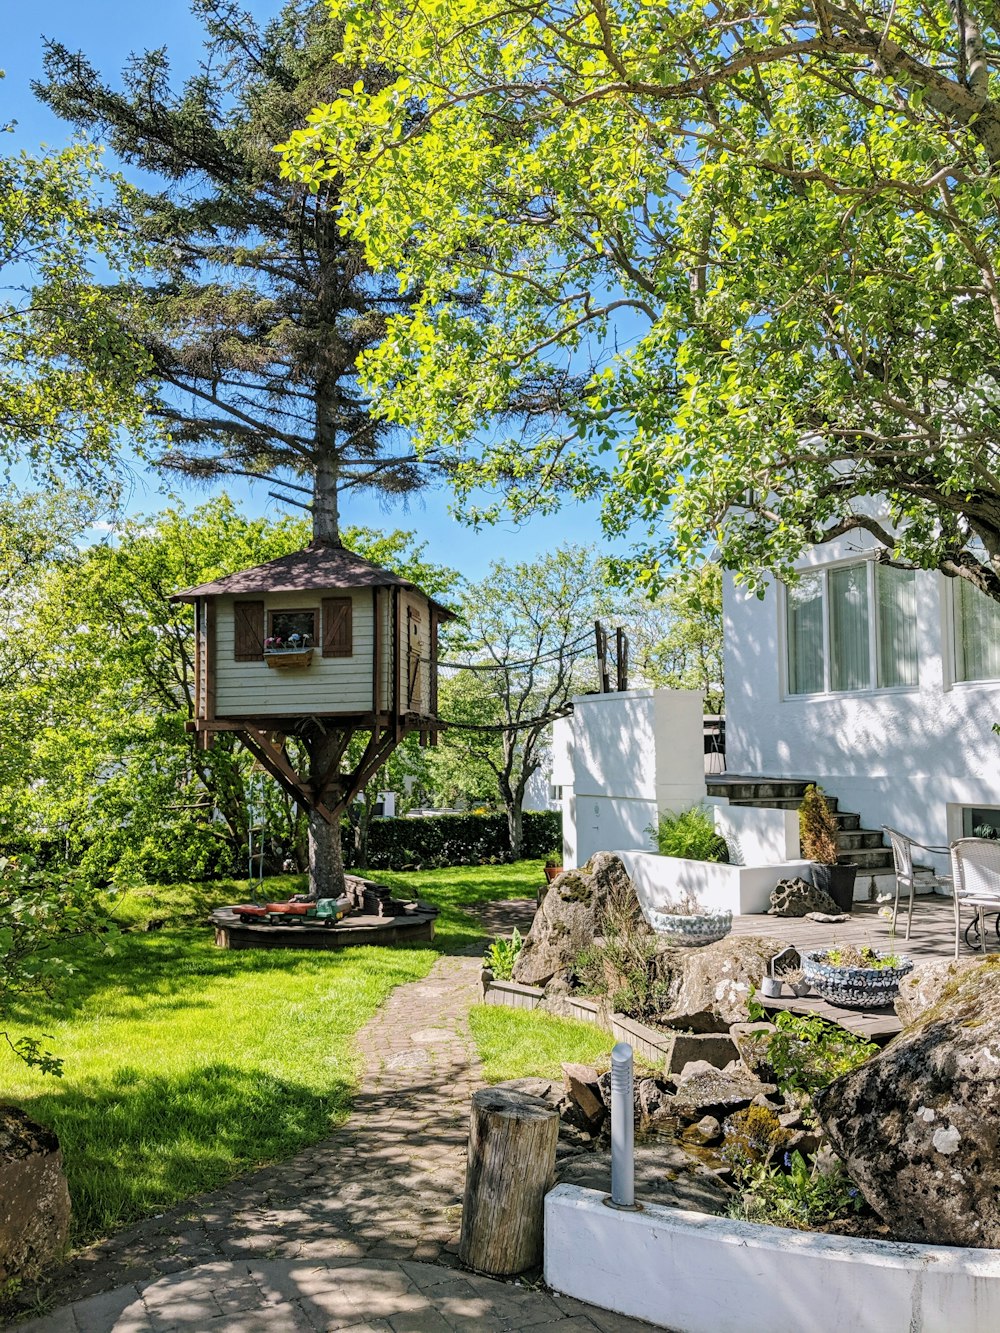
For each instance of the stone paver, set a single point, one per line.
(291, 1296)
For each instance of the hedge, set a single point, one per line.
(454, 840)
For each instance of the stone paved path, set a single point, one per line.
(386, 1187)
(286, 1296)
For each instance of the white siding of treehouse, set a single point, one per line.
(327, 685)
(423, 637)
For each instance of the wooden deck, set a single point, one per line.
(932, 938)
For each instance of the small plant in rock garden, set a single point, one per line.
(753, 1136)
(622, 965)
(690, 834)
(501, 955)
(849, 955)
(805, 1052)
(799, 1196)
(817, 828)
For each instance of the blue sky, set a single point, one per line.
(108, 31)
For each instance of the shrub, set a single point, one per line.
(806, 1052)
(817, 828)
(690, 834)
(449, 840)
(623, 965)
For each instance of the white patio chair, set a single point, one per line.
(975, 864)
(909, 876)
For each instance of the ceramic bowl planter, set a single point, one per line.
(854, 987)
(692, 930)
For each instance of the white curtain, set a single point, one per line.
(850, 660)
(896, 593)
(805, 635)
(977, 633)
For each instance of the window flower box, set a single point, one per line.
(283, 658)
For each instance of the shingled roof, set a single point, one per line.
(319, 567)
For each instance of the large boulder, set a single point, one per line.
(34, 1199)
(571, 915)
(917, 1125)
(718, 977)
(797, 897)
(921, 989)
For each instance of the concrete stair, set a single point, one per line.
(856, 845)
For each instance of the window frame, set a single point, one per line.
(874, 636)
(273, 611)
(951, 605)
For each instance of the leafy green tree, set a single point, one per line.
(70, 368)
(528, 648)
(95, 762)
(766, 238)
(676, 640)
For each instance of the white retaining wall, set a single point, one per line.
(698, 1274)
(661, 881)
(622, 758)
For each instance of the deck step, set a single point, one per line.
(858, 846)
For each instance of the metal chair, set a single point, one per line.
(909, 876)
(975, 864)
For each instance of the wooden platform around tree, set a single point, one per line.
(408, 927)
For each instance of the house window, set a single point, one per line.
(853, 627)
(977, 634)
(292, 628)
(980, 823)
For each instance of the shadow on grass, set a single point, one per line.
(137, 1142)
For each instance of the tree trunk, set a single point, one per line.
(326, 860)
(326, 474)
(515, 828)
(512, 1160)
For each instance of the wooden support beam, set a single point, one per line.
(208, 694)
(273, 759)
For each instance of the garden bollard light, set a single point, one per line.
(622, 1128)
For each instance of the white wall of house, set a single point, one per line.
(911, 757)
(619, 760)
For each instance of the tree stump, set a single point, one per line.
(512, 1157)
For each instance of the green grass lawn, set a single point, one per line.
(526, 1043)
(186, 1064)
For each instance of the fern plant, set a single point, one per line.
(690, 834)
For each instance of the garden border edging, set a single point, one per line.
(696, 1273)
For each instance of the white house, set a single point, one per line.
(882, 684)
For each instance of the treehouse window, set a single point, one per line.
(291, 629)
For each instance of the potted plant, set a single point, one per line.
(818, 832)
(553, 865)
(687, 923)
(854, 978)
(796, 979)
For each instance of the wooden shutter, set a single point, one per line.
(248, 638)
(337, 631)
(413, 657)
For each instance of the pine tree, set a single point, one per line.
(256, 307)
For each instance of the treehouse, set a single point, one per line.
(319, 644)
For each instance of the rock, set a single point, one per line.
(664, 1173)
(716, 1093)
(797, 897)
(917, 1126)
(805, 1141)
(704, 1133)
(922, 987)
(694, 1069)
(751, 1040)
(34, 1198)
(718, 977)
(581, 1084)
(570, 917)
(704, 1022)
(828, 918)
(652, 1098)
(754, 1135)
(713, 1048)
(790, 1120)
